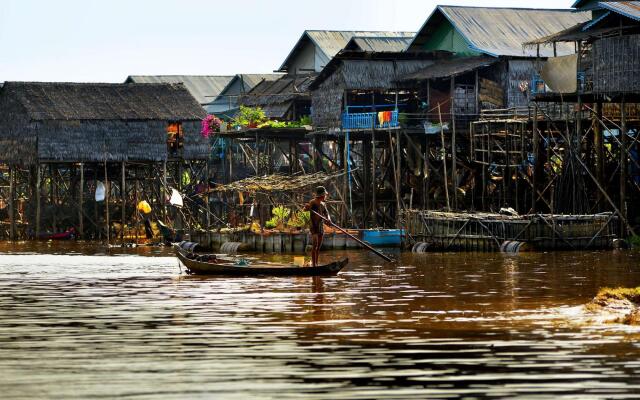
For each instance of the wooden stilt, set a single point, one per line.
(374, 181)
(598, 143)
(123, 195)
(12, 196)
(54, 201)
(38, 200)
(454, 157)
(536, 147)
(81, 202)
(106, 202)
(207, 197)
(398, 177)
(95, 204)
(164, 192)
(623, 165)
(136, 190)
(444, 161)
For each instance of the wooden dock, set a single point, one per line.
(486, 232)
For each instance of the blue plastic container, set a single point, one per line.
(383, 237)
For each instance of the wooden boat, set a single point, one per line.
(198, 265)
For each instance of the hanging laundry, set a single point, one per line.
(176, 198)
(381, 118)
(387, 116)
(100, 191)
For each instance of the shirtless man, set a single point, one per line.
(317, 205)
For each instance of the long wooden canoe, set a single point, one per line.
(197, 267)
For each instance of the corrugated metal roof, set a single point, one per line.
(630, 9)
(379, 44)
(329, 43)
(449, 68)
(251, 80)
(203, 87)
(502, 31)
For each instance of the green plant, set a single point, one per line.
(306, 120)
(250, 116)
(634, 241)
(300, 219)
(280, 215)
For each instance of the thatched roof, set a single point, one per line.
(275, 97)
(366, 70)
(104, 101)
(277, 183)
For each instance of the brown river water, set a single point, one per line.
(78, 323)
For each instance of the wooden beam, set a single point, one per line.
(38, 200)
(106, 202)
(623, 165)
(81, 202)
(12, 196)
(123, 195)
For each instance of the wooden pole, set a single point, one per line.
(95, 203)
(374, 184)
(123, 195)
(164, 191)
(81, 202)
(136, 200)
(398, 178)
(54, 199)
(364, 244)
(598, 141)
(12, 195)
(38, 200)
(536, 146)
(454, 157)
(444, 161)
(623, 165)
(106, 202)
(366, 178)
(208, 193)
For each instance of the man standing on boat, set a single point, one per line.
(318, 209)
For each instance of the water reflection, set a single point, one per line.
(434, 326)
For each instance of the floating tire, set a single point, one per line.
(513, 247)
(420, 247)
(188, 246)
(232, 247)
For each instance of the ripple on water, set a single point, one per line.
(87, 325)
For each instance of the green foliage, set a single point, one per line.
(300, 219)
(280, 215)
(634, 241)
(306, 120)
(250, 117)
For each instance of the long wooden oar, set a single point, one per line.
(364, 244)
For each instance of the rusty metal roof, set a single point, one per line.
(502, 31)
(630, 9)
